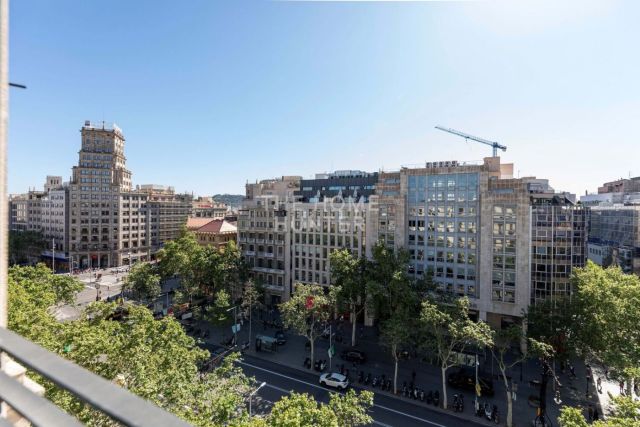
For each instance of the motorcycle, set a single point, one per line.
(307, 363)
(430, 397)
(421, 395)
(436, 398)
(388, 384)
(375, 382)
(367, 379)
(494, 413)
(405, 390)
(458, 403)
(488, 414)
(415, 393)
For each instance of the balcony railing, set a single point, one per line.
(112, 400)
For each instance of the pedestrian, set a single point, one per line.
(621, 384)
(596, 415)
(599, 385)
(590, 413)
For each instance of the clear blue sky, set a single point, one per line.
(211, 93)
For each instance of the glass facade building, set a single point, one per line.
(442, 225)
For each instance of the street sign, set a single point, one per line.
(478, 390)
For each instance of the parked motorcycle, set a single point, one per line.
(436, 398)
(430, 397)
(367, 379)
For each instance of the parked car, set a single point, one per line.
(352, 355)
(280, 338)
(465, 379)
(334, 379)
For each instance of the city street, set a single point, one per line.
(387, 411)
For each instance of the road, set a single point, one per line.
(387, 411)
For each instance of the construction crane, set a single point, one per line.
(493, 144)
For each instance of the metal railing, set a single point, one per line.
(103, 395)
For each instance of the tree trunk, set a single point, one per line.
(395, 376)
(444, 387)
(311, 356)
(354, 316)
(509, 397)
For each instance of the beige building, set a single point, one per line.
(206, 207)
(110, 223)
(167, 214)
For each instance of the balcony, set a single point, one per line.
(92, 389)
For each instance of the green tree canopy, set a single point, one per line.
(450, 329)
(307, 311)
(144, 281)
(349, 274)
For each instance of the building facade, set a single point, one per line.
(614, 237)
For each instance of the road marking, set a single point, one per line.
(381, 424)
(322, 388)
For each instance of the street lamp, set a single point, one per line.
(251, 397)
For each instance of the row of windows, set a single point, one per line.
(444, 211)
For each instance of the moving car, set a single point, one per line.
(465, 379)
(353, 356)
(334, 379)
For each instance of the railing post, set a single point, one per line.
(4, 121)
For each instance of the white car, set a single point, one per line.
(333, 379)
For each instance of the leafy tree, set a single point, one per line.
(302, 410)
(218, 312)
(25, 246)
(389, 284)
(252, 297)
(395, 333)
(144, 281)
(154, 359)
(349, 274)
(626, 413)
(500, 345)
(607, 304)
(452, 331)
(307, 311)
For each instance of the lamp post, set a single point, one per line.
(251, 397)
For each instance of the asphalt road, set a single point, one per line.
(387, 411)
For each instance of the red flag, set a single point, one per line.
(308, 303)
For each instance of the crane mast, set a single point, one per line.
(466, 136)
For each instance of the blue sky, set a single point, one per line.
(213, 93)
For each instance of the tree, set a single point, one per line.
(625, 413)
(252, 297)
(451, 331)
(349, 274)
(25, 246)
(607, 306)
(144, 281)
(388, 282)
(500, 345)
(307, 311)
(395, 332)
(154, 359)
(301, 410)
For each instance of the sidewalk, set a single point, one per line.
(427, 376)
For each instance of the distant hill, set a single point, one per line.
(233, 200)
